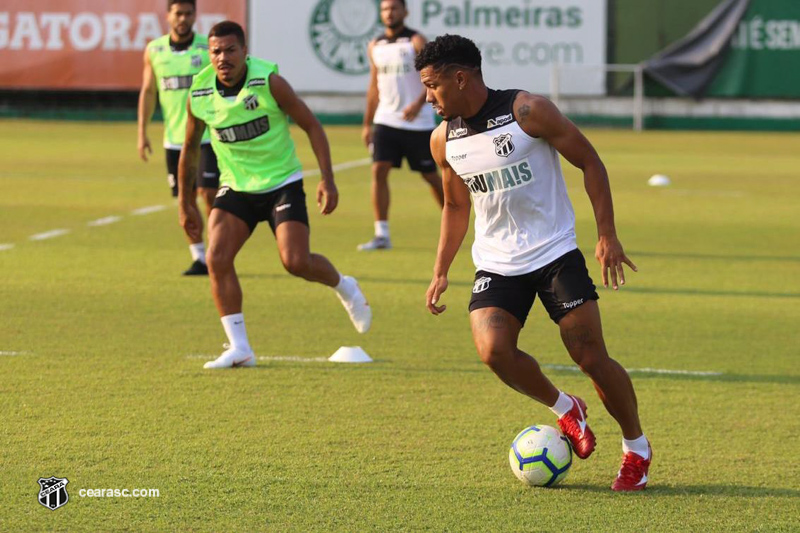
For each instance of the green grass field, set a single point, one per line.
(102, 345)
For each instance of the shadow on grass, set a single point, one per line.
(738, 491)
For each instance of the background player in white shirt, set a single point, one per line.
(402, 121)
(500, 149)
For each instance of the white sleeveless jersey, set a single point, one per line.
(523, 216)
(398, 83)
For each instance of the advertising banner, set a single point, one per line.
(765, 53)
(320, 45)
(88, 44)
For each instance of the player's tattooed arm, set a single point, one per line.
(539, 117)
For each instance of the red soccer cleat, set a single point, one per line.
(574, 426)
(633, 472)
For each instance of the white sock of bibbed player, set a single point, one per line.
(346, 288)
(562, 405)
(382, 228)
(198, 251)
(638, 446)
(236, 332)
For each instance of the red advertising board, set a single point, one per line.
(89, 44)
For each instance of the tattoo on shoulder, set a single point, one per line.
(524, 111)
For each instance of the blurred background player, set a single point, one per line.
(402, 121)
(501, 148)
(170, 62)
(246, 104)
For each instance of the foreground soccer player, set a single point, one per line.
(247, 105)
(501, 147)
(170, 62)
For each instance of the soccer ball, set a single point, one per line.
(540, 456)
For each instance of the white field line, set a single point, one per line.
(52, 234)
(4, 247)
(289, 358)
(645, 371)
(342, 166)
(147, 210)
(12, 354)
(104, 221)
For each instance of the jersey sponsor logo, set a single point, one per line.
(176, 83)
(481, 284)
(503, 145)
(251, 102)
(394, 70)
(203, 92)
(498, 121)
(457, 157)
(500, 179)
(340, 31)
(255, 82)
(197, 61)
(456, 133)
(242, 132)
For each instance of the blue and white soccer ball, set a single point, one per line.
(540, 456)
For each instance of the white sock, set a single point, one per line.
(382, 228)
(236, 332)
(345, 288)
(638, 446)
(198, 251)
(562, 405)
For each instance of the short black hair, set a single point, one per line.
(170, 3)
(448, 50)
(401, 1)
(225, 28)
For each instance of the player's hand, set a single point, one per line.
(327, 196)
(366, 135)
(144, 147)
(437, 287)
(190, 219)
(412, 110)
(610, 255)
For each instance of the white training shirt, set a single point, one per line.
(398, 83)
(523, 216)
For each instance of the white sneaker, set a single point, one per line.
(357, 306)
(232, 358)
(377, 243)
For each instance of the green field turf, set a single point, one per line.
(109, 390)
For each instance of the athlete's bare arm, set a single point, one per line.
(327, 194)
(541, 118)
(413, 109)
(372, 99)
(147, 104)
(455, 220)
(187, 175)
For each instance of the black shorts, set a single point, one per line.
(393, 144)
(281, 205)
(562, 286)
(207, 176)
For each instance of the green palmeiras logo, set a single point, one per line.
(340, 31)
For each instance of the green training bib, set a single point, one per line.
(249, 134)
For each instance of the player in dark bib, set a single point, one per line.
(499, 150)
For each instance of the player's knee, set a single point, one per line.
(494, 355)
(297, 265)
(218, 260)
(590, 360)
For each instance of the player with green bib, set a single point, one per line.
(247, 106)
(170, 63)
